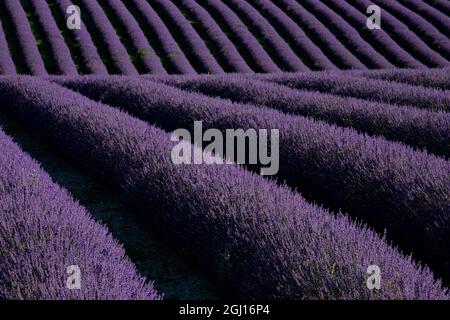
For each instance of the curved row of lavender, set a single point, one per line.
(7, 66)
(267, 251)
(146, 54)
(407, 39)
(43, 231)
(255, 54)
(91, 59)
(378, 38)
(347, 34)
(437, 18)
(172, 52)
(430, 78)
(311, 54)
(230, 56)
(335, 50)
(426, 31)
(204, 60)
(25, 38)
(389, 185)
(369, 89)
(110, 40)
(283, 54)
(418, 128)
(60, 52)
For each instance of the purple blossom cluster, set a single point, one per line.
(43, 231)
(259, 239)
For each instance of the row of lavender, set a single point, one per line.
(217, 36)
(44, 232)
(257, 237)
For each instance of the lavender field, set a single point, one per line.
(224, 149)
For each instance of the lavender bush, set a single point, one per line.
(264, 252)
(43, 231)
(436, 17)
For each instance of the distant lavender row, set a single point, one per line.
(363, 88)
(378, 38)
(409, 40)
(255, 52)
(335, 50)
(88, 51)
(277, 249)
(441, 5)
(312, 54)
(437, 18)
(170, 48)
(230, 54)
(388, 185)
(144, 51)
(418, 128)
(110, 40)
(284, 54)
(7, 66)
(25, 38)
(43, 231)
(431, 78)
(347, 34)
(193, 43)
(428, 33)
(60, 51)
